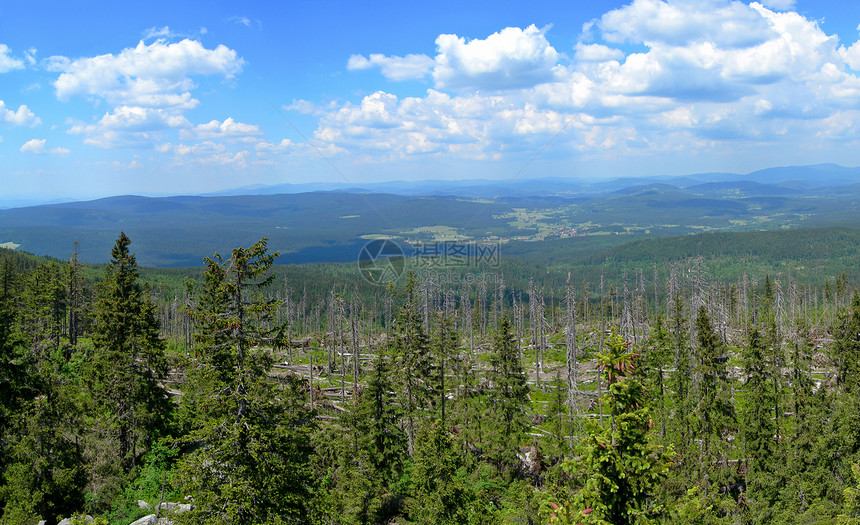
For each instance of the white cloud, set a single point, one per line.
(35, 146)
(702, 73)
(30, 56)
(56, 63)
(7, 62)
(724, 24)
(266, 146)
(206, 153)
(851, 55)
(157, 32)
(511, 58)
(245, 21)
(154, 75)
(229, 129)
(597, 53)
(129, 126)
(21, 117)
(410, 67)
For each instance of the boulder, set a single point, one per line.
(142, 505)
(146, 520)
(68, 521)
(172, 507)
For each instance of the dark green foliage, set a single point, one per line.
(846, 351)
(766, 426)
(377, 426)
(362, 463)
(248, 452)
(47, 475)
(411, 348)
(506, 402)
(620, 468)
(759, 429)
(127, 360)
(437, 492)
(713, 411)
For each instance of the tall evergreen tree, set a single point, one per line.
(249, 457)
(713, 412)
(507, 398)
(620, 467)
(128, 359)
(411, 347)
(759, 430)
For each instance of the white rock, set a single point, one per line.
(173, 507)
(143, 505)
(68, 521)
(146, 520)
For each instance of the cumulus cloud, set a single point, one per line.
(597, 53)
(154, 75)
(205, 153)
(20, 117)
(469, 126)
(129, 126)
(410, 67)
(149, 87)
(229, 129)
(270, 146)
(511, 58)
(8, 62)
(653, 75)
(724, 24)
(37, 147)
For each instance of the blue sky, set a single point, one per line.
(166, 98)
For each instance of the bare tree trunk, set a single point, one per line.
(572, 357)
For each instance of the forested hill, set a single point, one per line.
(673, 397)
(332, 226)
(812, 252)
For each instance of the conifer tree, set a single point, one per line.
(619, 467)
(507, 398)
(411, 347)
(250, 449)
(713, 412)
(128, 359)
(759, 429)
(437, 493)
(846, 350)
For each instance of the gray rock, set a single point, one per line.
(146, 520)
(68, 521)
(173, 507)
(142, 505)
(42, 522)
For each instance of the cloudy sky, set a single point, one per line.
(171, 97)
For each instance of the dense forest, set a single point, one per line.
(252, 393)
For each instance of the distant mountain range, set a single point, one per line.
(815, 176)
(324, 223)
